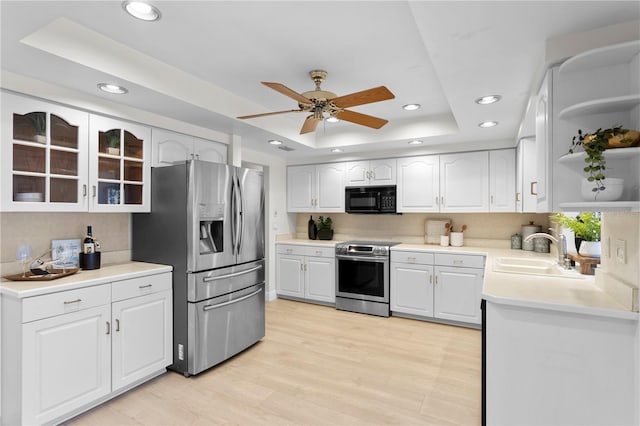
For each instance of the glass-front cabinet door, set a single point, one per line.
(44, 156)
(120, 170)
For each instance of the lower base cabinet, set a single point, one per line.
(445, 286)
(306, 272)
(74, 349)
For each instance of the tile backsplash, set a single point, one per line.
(482, 228)
(38, 229)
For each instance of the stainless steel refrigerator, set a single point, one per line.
(207, 221)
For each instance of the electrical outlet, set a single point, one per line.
(621, 251)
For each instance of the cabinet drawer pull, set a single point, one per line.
(145, 286)
(411, 259)
(117, 324)
(108, 327)
(535, 182)
(68, 302)
(289, 250)
(318, 253)
(458, 262)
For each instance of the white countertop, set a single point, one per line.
(106, 274)
(302, 242)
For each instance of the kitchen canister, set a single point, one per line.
(456, 239)
(516, 241)
(527, 230)
(541, 245)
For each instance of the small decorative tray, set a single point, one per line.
(52, 275)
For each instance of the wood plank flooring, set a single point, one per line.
(320, 366)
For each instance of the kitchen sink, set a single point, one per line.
(544, 267)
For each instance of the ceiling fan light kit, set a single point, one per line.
(321, 103)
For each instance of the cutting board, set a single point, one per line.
(433, 229)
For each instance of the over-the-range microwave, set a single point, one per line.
(370, 199)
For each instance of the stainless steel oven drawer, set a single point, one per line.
(224, 326)
(216, 282)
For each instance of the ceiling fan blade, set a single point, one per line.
(268, 113)
(376, 94)
(363, 119)
(309, 125)
(288, 92)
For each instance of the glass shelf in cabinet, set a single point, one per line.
(28, 188)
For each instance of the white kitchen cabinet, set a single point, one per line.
(44, 156)
(371, 173)
(418, 187)
(119, 165)
(599, 88)
(526, 199)
(171, 147)
(441, 286)
(544, 141)
(316, 188)
(502, 181)
(306, 272)
(464, 182)
(73, 349)
(411, 288)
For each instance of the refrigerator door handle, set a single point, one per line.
(234, 274)
(240, 234)
(233, 215)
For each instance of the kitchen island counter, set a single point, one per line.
(583, 294)
(106, 274)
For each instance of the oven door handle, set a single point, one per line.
(231, 302)
(378, 259)
(234, 274)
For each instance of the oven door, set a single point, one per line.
(363, 278)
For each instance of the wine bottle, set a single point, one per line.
(88, 244)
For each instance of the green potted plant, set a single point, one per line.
(586, 229)
(594, 145)
(325, 230)
(113, 142)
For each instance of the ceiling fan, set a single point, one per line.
(320, 102)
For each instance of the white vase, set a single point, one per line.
(590, 249)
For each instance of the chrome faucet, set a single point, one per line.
(561, 242)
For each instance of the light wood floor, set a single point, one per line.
(320, 366)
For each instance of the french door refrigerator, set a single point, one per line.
(207, 221)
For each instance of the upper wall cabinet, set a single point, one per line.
(171, 147)
(44, 156)
(464, 182)
(418, 184)
(371, 173)
(526, 176)
(502, 181)
(596, 89)
(316, 188)
(119, 160)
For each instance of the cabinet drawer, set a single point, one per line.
(134, 287)
(462, 260)
(321, 251)
(291, 249)
(412, 257)
(50, 305)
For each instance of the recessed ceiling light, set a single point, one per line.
(275, 142)
(486, 100)
(415, 142)
(141, 10)
(486, 124)
(336, 150)
(332, 119)
(112, 88)
(411, 107)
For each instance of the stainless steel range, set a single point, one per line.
(362, 276)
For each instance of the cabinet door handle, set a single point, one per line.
(517, 196)
(492, 199)
(94, 191)
(442, 201)
(145, 286)
(436, 279)
(373, 175)
(68, 302)
(108, 327)
(117, 324)
(535, 182)
(430, 279)
(84, 190)
(437, 201)
(197, 156)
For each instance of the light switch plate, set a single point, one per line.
(621, 251)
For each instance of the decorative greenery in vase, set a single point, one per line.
(325, 231)
(39, 122)
(594, 144)
(585, 226)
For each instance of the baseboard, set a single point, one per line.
(271, 295)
